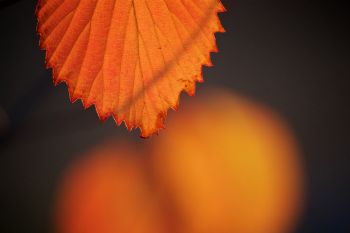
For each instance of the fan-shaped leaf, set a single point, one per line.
(130, 58)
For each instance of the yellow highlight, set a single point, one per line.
(224, 165)
(230, 165)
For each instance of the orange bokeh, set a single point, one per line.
(230, 165)
(225, 164)
(107, 192)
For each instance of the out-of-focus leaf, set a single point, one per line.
(230, 165)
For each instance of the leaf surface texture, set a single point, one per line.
(129, 58)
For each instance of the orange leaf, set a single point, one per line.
(129, 58)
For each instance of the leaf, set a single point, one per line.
(129, 58)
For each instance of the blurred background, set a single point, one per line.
(292, 56)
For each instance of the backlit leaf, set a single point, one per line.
(129, 58)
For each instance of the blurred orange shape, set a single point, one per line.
(107, 192)
(230, 166)
(129, 58)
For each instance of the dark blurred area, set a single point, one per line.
(290, 55)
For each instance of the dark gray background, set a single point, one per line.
(291, 55)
